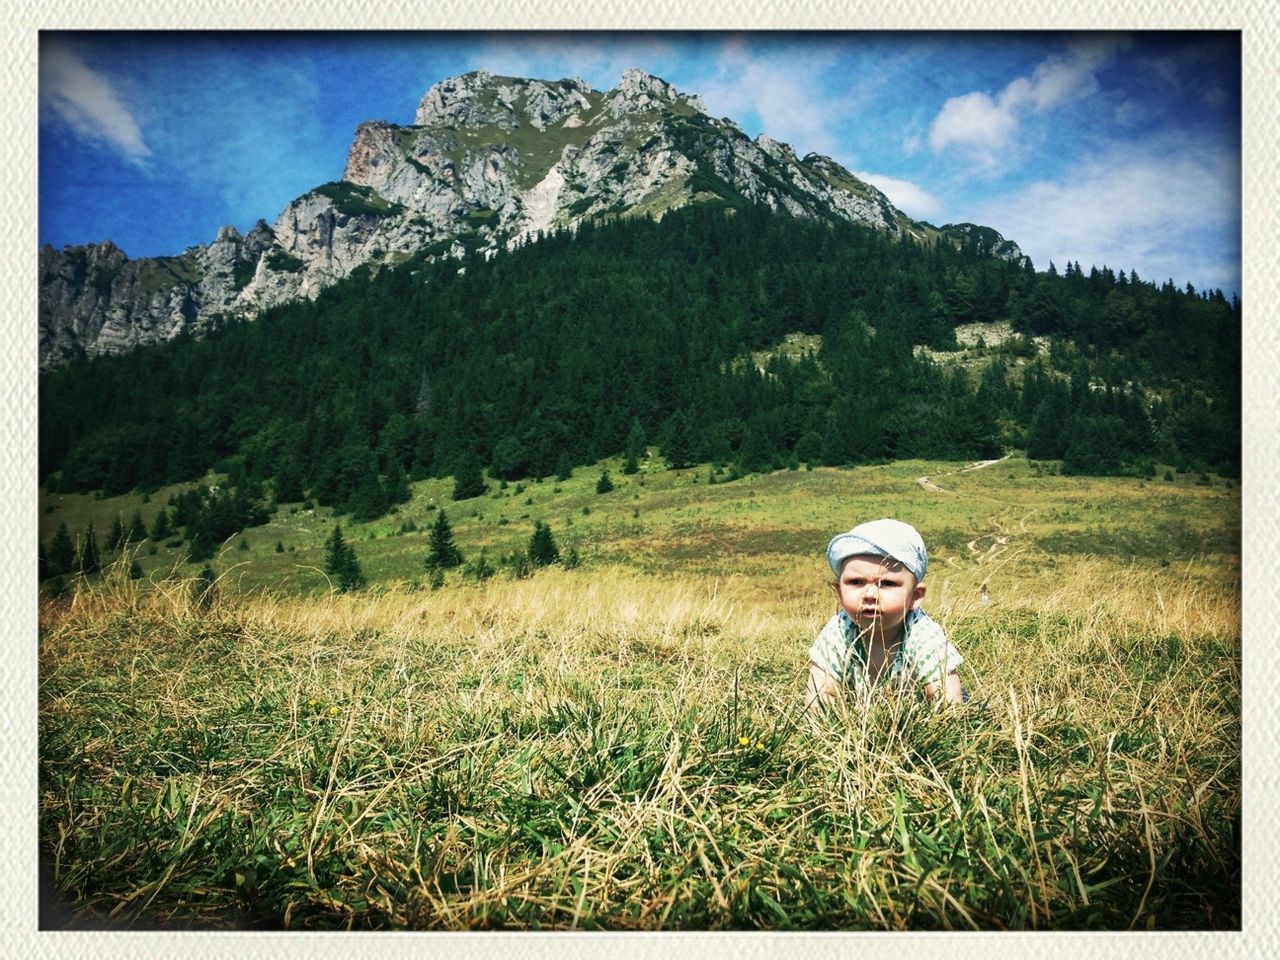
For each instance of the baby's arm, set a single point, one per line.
(821, 690)
(951, 689)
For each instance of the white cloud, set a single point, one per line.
(908, 197)
(1165, 212)
(784, 87)
(986, 125)
(973, 119)
(87, 102)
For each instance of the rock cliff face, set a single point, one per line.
(488, 162)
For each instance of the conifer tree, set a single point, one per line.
(161, 529)
(605, 483)
(137, 529)
(542, 546)
(369, 499)
(288, 482)
(678, 448)
(1049, 432)
(756, 454)
(443, 551)
(510, 459)
(204, 588)
(564, 466)
(635, 447)
(115, 535)
(809, 447)
(62, 552)
(398, 490)
(90, 561)
(202, 542)
(468, 480)
(340, 562)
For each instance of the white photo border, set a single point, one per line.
(1257, 24)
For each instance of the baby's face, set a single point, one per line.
(877, 593)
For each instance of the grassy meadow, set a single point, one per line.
(621, 745)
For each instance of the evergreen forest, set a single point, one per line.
(635, 332)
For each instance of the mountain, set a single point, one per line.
(489, 162)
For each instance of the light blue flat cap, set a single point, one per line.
(881, 538)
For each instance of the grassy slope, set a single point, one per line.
(773, 526)
(569, 750)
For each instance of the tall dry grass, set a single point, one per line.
(602, 749)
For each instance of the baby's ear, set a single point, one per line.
(917, 596)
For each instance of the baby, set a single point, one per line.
(880, 630)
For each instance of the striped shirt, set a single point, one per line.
(925, 653)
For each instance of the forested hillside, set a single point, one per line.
(586, 344)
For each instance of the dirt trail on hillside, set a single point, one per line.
(929, 485)
(987, 551)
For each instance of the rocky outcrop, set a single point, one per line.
(488, 160)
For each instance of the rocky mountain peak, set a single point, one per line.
(452, 100)
(776, 148)
(482, 99)
(641, 91)
(488, 161)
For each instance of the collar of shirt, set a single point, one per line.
(853, 638)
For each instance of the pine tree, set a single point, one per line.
(678, 448)
(542, 546)
(809, 447)
(115, 535)
(443, 551)
(340, 562)
(564, 466)
(202, 541)
(90, 561)
(369, 499)
(161, 528)
(204, 588)
(635, 448)
(137, 529)
(468, 479)
(510, 459)
(756, 454)
(62, 552)
(1047, 435)
(604, 484)
(398, 490)
(288, 482)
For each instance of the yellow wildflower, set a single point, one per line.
(744, 742)
(759, 745)
(334, 711)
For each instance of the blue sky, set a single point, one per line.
(1115, 149)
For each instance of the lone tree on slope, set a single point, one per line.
(444, 552)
